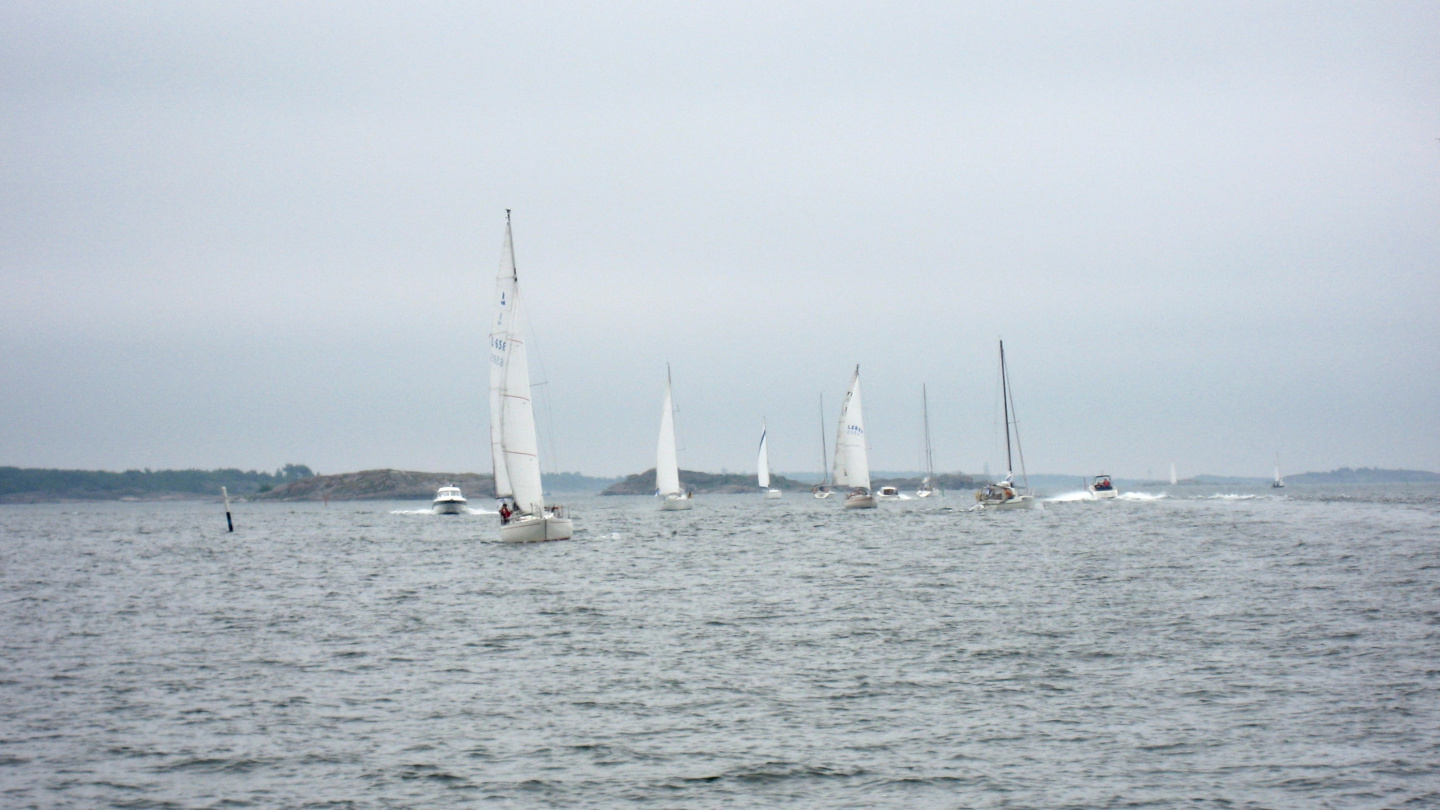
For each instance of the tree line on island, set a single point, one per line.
(22, 485)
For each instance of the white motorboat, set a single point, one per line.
(1004, 494)
(823, 489)
(514, 451)
(852, 460)
(1102, 488)
(888, 493)
(762, 465)
(667, 460)
(927, 487)
(448, 501)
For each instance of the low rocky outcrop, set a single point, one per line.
(703, 483)
(379, 485)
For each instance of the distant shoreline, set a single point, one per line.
(298, 483)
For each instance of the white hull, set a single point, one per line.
(1102, 494)
(825, 493)
(860, 502)
(448, 507)
(1017, 502)
(676, 503)
(531, 529)
(772, 494)
(924, 493)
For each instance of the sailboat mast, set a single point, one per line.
(1005, 404)
(824, 454)
(925, 409)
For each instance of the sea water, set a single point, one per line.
(1211, 648)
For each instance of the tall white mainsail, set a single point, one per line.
(1173, 479)
(852, 462)
(513, 448)
(763, 465)
(667, 463)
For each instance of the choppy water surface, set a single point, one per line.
(1195, 651)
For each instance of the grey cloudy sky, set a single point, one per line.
(250, 234)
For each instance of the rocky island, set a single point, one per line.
(379, 485)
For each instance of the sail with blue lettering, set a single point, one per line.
(852, 462)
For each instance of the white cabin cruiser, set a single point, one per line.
(888, 493)
(448, 501)
(1102, 488)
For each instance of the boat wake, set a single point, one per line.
(1229, 497)
(1086, 495)
(469, 510)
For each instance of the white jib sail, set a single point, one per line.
(667, 463)
(763, 465)
(513, 447)
(1173, 479)
(852, 462)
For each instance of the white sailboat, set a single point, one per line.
(524, 517)
(852, 461)
(763, 466)
(667, 461)
(1173, 479)
(927, 486)
(822, 489)
(1279, 482)
(1003, 494)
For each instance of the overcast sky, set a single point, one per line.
(245, 234)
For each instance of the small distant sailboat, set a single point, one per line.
(852, 462)
(822, 489)
(1003, 494)
(448, 501)
(667, 462)
(927, 486)
(524, 517)
(1279, 482)
(763, 466)
(1173, 479)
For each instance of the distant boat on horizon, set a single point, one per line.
(927, 486)
(762, 465)
(1279, 482)
(822, 489)
(667, 461)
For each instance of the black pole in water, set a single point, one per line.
(229, 523)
